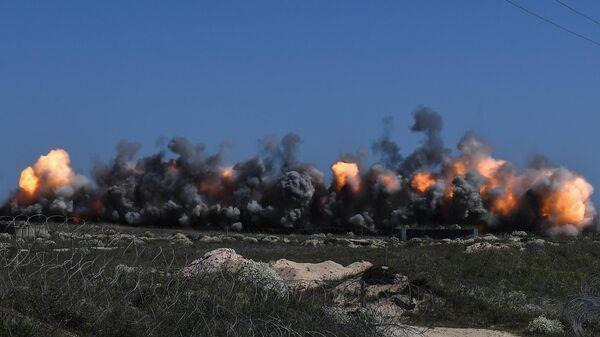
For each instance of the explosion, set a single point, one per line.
(346, 174)
(566, 203)
(429, 187)
(227, 173)
(29, 181)
(505, 204)
(422, 181)
(389, 181)
(49, 173)
(51, 186)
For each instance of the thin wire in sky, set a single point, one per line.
(559, 26)
(578, 12)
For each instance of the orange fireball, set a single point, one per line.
(422, 181)
(48, 173)
(346, 174)
(227, 173)
(505, 204)
(567, 203)
(389, 181)
(458, 168)
(29, 181)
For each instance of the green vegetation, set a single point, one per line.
(87, 294)
(66, 285)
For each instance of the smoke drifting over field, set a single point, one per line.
(276, 189)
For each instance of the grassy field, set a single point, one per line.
(119, 281)
(500, 289)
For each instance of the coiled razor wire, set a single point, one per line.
(27, 225)
(414, 292)
(38, 219)
(583, 311)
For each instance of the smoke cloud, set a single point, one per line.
(185, 185)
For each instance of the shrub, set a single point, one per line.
(261, 276)
(545, 326)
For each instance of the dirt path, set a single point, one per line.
(451, 332)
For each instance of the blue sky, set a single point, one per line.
(82, 75)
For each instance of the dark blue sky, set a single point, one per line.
(82, 76)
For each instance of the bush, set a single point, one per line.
(545, 326)
(261, 276)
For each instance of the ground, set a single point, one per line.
(500, 282)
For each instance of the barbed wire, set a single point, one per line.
(163, 262)
(582, 311)
(30, 264)
(39, 219)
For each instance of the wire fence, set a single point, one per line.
(8, 222)
(581, 311)
(30, 266)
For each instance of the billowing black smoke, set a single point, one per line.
(386, 148)
(184, 185)
(432, 152)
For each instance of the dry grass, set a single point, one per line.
(72, 288)
(134, 291)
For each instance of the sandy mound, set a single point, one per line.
(305, 275)
(308, 275)
(218, 260)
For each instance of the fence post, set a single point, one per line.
(363, 298)
(385, 258)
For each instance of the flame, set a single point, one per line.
(48, 173)
(227, 173)
(562, 197)
(29, 181)
(211, 187)
(485, 165)
(389, 181)
(566, 204)
(458, 168)
(422, 181)
(488, 166)
(55, 167)
(505, 204)
(448, 191)
(346, 174)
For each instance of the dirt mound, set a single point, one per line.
(218, 260)
(302, 275)
(309, 275)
